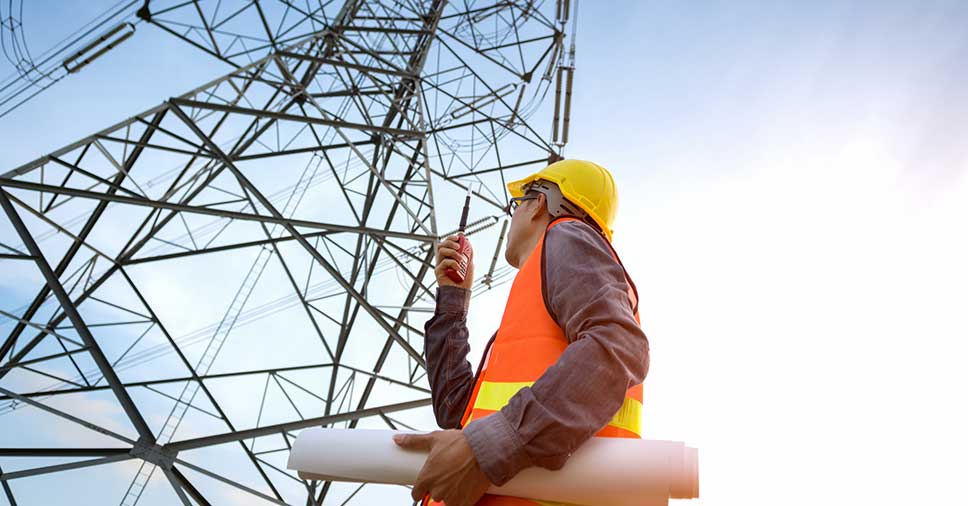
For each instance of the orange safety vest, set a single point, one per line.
(526, 344)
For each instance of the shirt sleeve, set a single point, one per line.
(587, 292)
(445, 344)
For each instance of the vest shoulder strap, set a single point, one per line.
(544, 253)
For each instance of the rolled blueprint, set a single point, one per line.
(602, 472)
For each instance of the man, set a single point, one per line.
(567, 362)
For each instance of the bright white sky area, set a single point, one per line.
(794, 209)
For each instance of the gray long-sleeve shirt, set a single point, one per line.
(607, 353)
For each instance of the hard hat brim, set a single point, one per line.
(516, 188)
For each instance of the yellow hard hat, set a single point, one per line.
(588, 185)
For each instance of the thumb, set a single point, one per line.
(414, 441)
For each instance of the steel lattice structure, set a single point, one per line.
(255, 256)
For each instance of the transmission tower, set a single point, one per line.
(185, 290)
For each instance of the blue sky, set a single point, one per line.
(793, 190)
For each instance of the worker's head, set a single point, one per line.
(566, 188)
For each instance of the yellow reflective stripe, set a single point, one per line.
(629, 416)
(495, 395)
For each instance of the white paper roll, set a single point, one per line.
(602, 472)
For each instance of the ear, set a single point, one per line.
(539, 205)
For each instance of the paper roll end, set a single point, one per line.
(687, 486)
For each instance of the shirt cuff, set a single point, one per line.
(496, 447)
(453, 299)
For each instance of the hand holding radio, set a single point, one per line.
(455, 266)
(455, 262)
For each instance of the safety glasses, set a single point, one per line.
(515, 201)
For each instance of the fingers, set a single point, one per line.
(443, 253)
(445, 264)
(447, 249)
(422, 442)
(449, 245)
(450, 242)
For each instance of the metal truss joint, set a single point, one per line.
(152, 452)
(144, 12)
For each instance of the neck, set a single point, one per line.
(531, 242)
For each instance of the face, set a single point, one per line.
(527, 224)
